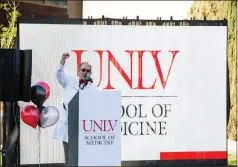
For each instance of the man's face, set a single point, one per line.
(84, 71)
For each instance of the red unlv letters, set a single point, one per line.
(99, 125)
(126, 77)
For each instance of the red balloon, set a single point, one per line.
(30, 115)
(46, 87)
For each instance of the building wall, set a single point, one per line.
(38, 9)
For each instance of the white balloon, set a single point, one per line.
(49, 116)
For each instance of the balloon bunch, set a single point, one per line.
(38, 114)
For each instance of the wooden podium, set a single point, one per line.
(94, 128)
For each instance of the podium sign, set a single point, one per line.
(99, 129)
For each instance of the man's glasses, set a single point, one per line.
(84, 70)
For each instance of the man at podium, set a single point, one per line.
(71, 86)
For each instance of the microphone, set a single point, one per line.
(89, 79)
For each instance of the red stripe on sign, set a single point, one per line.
(193, 155)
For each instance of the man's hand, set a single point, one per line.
(64, 57)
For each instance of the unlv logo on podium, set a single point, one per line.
(129, 77)
(99, 125)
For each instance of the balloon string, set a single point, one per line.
(39, 132)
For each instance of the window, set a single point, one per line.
(58, 3)
(38, 1)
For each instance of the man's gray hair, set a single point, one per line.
(80, 65)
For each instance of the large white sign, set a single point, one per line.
(172, 79)
(99, 128)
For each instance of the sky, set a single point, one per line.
(143, 9)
